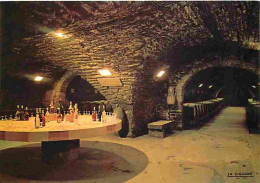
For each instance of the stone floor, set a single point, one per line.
(220, 148)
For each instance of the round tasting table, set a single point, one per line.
(58, 139)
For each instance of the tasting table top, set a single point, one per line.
(25, 131)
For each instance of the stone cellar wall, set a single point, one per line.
(138, 95)
(132, 43)
(144, 100)
(127, 51)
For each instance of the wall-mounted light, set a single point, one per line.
(38, 78)
(253, 86)
(200, 85)
(160, 73)
(104, 72)
(210, 86)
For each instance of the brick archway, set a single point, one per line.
(197, 66)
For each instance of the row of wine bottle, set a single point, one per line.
(40, 119)
(21, 114)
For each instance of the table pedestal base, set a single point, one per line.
(60, 150)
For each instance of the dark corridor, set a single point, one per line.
(235, 85)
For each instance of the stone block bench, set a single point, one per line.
(160, 128)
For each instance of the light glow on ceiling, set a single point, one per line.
(60, 34)
(210, 86)
(253, 86)
(200, 85)
(160, 74)
(38, 78)
(104, 72)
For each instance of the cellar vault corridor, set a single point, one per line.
(100, 79)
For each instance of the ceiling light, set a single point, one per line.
(38, 78)
(104, 72)
(60, 34)
(253, 86)
(160, 74)
(210, 86)
(200, 85)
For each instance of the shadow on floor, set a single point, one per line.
(98, 162)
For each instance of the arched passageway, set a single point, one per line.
(182, 76)
(84, 94)
(79, 90)
(201, 80)
(235, 85)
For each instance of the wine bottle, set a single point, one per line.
(26, 114)
(94, 115)
(17, 114)
(104, 116)
(99, 113)
(61, 109)
(71, 113)
(37, 119)
(43, 119)
(59, 115)
(76, 113)
(52, 107)
(47, 115)
(22, 113)
(71, 108)
(40, 117)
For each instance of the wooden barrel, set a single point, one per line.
(197, 112)
(188, 116)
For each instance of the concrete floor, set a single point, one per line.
(221, 147)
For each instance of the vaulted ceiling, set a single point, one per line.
(236, 21)
(125, 36)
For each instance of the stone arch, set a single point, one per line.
(219, 90)
(62, 85)
(59, 90)
(217, 93)
(197, 66)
